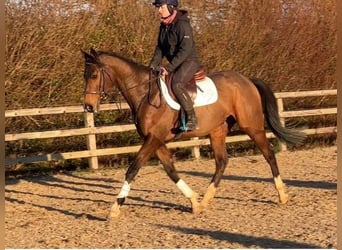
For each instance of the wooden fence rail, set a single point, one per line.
(91, 130)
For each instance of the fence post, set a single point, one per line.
(196, 150)
(280, 102)
(91, 140)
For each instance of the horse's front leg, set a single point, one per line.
(165, 157)
(217, 141)
(147, 149)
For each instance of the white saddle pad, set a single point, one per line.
(206, 93)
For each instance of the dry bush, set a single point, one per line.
(44, 64)
(292, 46)
(289, 43)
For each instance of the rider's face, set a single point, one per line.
(163, 11)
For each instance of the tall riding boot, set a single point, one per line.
(186, 103)
(191, 120)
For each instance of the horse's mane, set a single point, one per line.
(134, 64)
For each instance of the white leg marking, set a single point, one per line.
(191, 195)
(279, 183)
(186, 190)
(209, 195)
(283, 197)
(124, 190)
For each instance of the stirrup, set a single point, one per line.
(191, 125)
(186, 126)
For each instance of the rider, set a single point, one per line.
(176, 43)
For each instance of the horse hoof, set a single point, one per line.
(196, 210)
(204, 205)
(195, 205)
(114, 211)
(284, 199)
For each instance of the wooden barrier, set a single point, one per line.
(91, 130)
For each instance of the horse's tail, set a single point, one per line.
(270, 109)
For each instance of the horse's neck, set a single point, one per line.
(134, 89)
(132, 84)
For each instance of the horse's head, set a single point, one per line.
(96, 81)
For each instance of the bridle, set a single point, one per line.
(102, 90)
(153, 76)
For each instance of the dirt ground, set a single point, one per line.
(70, 210)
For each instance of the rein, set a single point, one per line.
(152, 76)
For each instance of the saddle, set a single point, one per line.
(190, 86)
(207, 94)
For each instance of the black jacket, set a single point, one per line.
(176, 43)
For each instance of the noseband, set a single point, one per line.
(101, 91)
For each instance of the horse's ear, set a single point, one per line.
(88, 58)
(93, 52)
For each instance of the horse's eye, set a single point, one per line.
(93, 76)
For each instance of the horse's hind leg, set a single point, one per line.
(218, 144)
(165, 157)
(259, 137)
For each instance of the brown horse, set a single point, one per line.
(247, 102)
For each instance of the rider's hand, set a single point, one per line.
(163, 72)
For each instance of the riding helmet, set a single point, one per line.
(158, 3)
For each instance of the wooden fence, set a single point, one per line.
(91, 130)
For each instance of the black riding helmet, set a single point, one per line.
(158, 3)
(171, 4)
